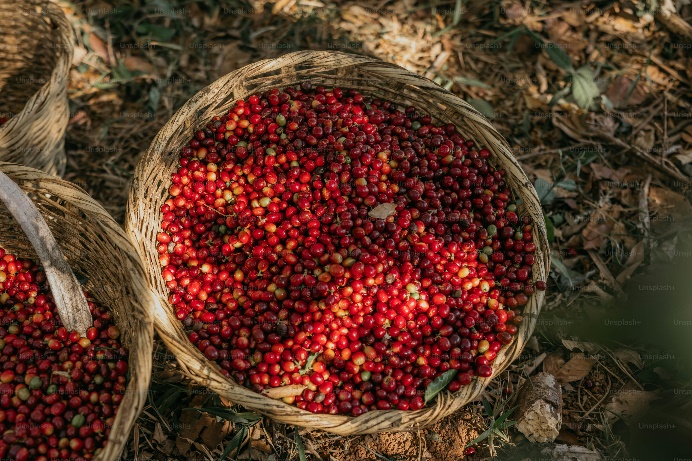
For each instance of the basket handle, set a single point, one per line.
(67, 293)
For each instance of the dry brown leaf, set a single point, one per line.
(603, 172)
(214, 433)
(618, 92)
(628, 403)
(553, 362)
(597, 230)
(645, 139)
(135, 63)
(566, 436)
(159, 436)
(591, 348)
(629, 356)
(99, 47)
(667, 208)
(231, 58)
(574, 370)
(684, 156)
(284, 391)
(383, 211)
(635, 259)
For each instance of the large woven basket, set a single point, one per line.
(35, 57)
(373, 78)
(98, 251)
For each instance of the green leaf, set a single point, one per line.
(457, 12)
(308, 363)
(247, 418)
(560, 266)
(299, 445)
(471, 82)
(483, 107)
(504, 416)
(158, 33)
(235, 442)
(480, 438)
(154, 98)
(438, 384)
(567, 184)
(550, 229)
(545, 191)
(559, 57)
(559, 95)
(583, 87)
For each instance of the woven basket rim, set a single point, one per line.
(279, 73)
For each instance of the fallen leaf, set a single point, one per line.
(284, 391)
(603, 172)
(628, 403)
(669, 210)
(159, 436)
(383, 211)
(566, 436)
(597, 230)
(619, 92)
(629, 356)
(591, 348)
(553, 362)
(231, 58)
(633, 262)
(214, 433)
(99, 47)
(645, 139)
(135, 63)
(574, 370)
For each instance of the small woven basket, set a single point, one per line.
(373, 78)
(36, 53)
(98, 251)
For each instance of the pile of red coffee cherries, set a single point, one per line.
(59, 392)
(317, 238)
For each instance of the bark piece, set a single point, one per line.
(540, 408)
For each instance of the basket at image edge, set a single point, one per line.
(36, 45)
(98, 251)
(373, 78)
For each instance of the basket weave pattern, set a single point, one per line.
(36, 53)
(373, 78)
(102, 257)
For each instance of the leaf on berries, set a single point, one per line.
(438, 384)
(383, 211)
(284, 391)
(308, 363)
